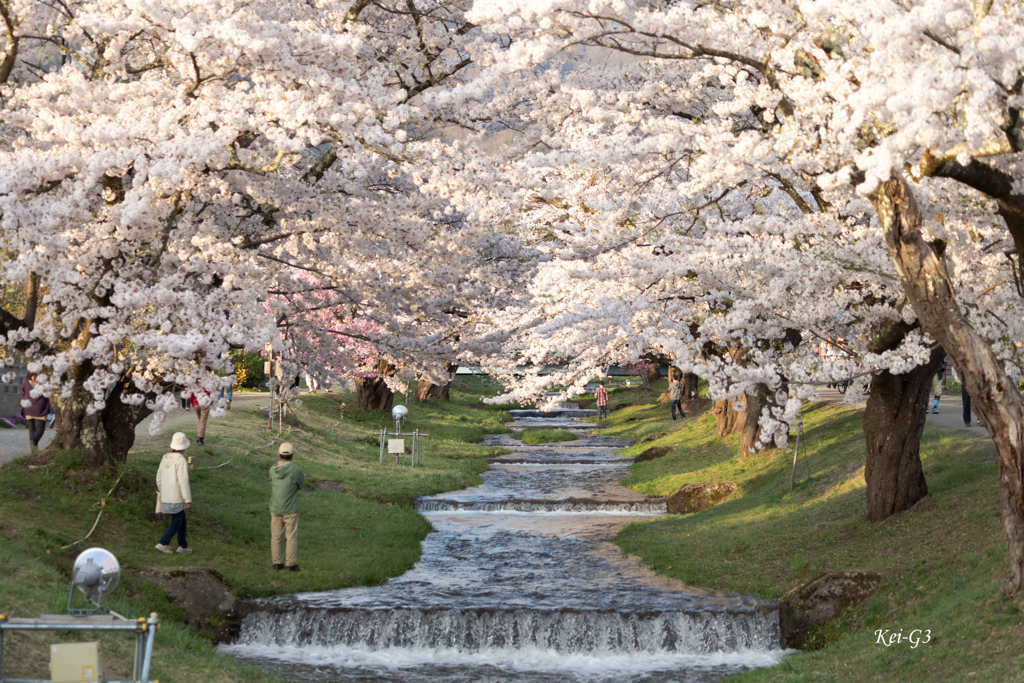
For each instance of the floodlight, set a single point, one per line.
(400, 412)
(96, 573)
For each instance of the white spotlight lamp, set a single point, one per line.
(96, 573)
(400, 414)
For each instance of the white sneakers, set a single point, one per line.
(167, 549)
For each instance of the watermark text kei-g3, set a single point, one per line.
(913, 639)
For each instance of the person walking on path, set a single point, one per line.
(34, 410)
(203, 413)
(675, 397)
(286, 479)
(173, 494)
(601, 394)
(965, 399)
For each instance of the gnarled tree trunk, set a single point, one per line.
(728, 420)
(893, 423)
(994, 394)
(372, 392)
(690, 382)
(104, 436)
(750, 432)
(426, 390)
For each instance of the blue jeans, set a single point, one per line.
(230, 392)
(602, 412)
(178, 526)
(677, 405)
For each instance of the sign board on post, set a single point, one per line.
(396, 446)
(75, 663)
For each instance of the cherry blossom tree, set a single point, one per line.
(166, 166)
(906, 114)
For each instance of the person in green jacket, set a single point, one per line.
(285, 481)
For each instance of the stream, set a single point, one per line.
(519, 583)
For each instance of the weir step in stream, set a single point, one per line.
(519, 583)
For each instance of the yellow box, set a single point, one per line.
(75, 663)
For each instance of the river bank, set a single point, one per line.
(356, 526)
(943, 562)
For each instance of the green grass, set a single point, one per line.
(943, 561)
(533, 436)
(356, 526)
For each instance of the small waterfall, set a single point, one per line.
(518, 584)
(567, 505)
(488, 630)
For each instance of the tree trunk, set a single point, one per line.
(372, 392)
(105, 436)
(690, 381)
(653, 375)
(426, 390)
(750, 432)
(893, 423)
(728, 419)
(994, 394)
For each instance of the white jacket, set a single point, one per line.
(172, 479)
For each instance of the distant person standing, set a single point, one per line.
(203, 414)
(675, 397)
(286, 479)
(174, 495)
(34, 410)
(965, 398)
(601, 394)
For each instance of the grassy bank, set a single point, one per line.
(943, 561)
(356, 525)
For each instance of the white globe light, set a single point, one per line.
(96, 571)
(399, 412)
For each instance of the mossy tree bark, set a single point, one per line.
(994, 394)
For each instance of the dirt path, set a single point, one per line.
(14, 442)
(950, 411)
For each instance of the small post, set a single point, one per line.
(140, 650)
(796, 450)
(153, 623)
(2, 620)
(383, 439)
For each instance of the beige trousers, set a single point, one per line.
(289, 526)
(203, 413)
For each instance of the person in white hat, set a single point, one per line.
(285, 481)
(173, 494)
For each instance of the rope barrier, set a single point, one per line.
(103, 506)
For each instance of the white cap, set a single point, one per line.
(179, 441)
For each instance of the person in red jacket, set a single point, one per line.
(601, 394)
(203, 413)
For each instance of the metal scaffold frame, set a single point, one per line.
(144, 628)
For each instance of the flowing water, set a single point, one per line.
(518, 583)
